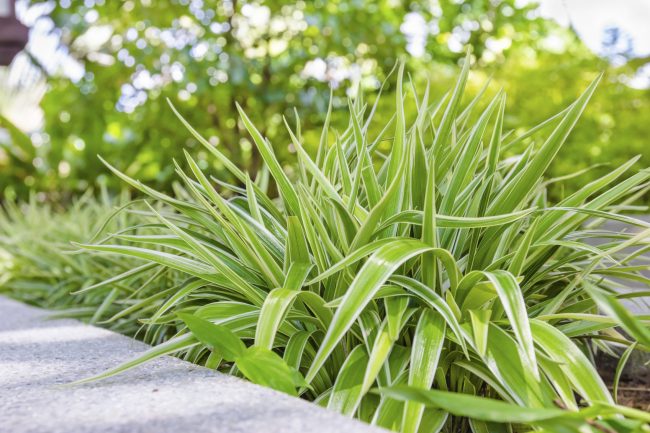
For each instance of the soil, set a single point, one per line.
(634, 386)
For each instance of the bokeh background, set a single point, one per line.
(96, 74)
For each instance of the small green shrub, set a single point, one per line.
(429, 287)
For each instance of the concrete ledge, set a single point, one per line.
(164, 396)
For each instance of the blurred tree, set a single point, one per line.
(207, 55)
(270, 56)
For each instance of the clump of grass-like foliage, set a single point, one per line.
(34, 239)
(425, 285)
(39, 266)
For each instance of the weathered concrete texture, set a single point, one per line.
(163, 396)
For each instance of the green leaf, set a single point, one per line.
(578, 369)
(613, 308)
(480, 408)
(456, 222)
(395, 308)
(427, 345)
(372, 275)
(619, 369)
(286, 189)
(511, 196)
(381, 349)
(480, 325)
(514, 305)
(171, 346)
(216, 336)
(347, 392)
(267, 368)
(277, 303)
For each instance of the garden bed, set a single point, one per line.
(634, 385)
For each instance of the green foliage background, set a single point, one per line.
(225, 58)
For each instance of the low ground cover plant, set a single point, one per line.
(35, 245)
(39, 266)
(418, 280)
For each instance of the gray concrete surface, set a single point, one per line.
(637, 305)
(164, 396)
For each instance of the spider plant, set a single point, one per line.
(417, 279)
(38, 266)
